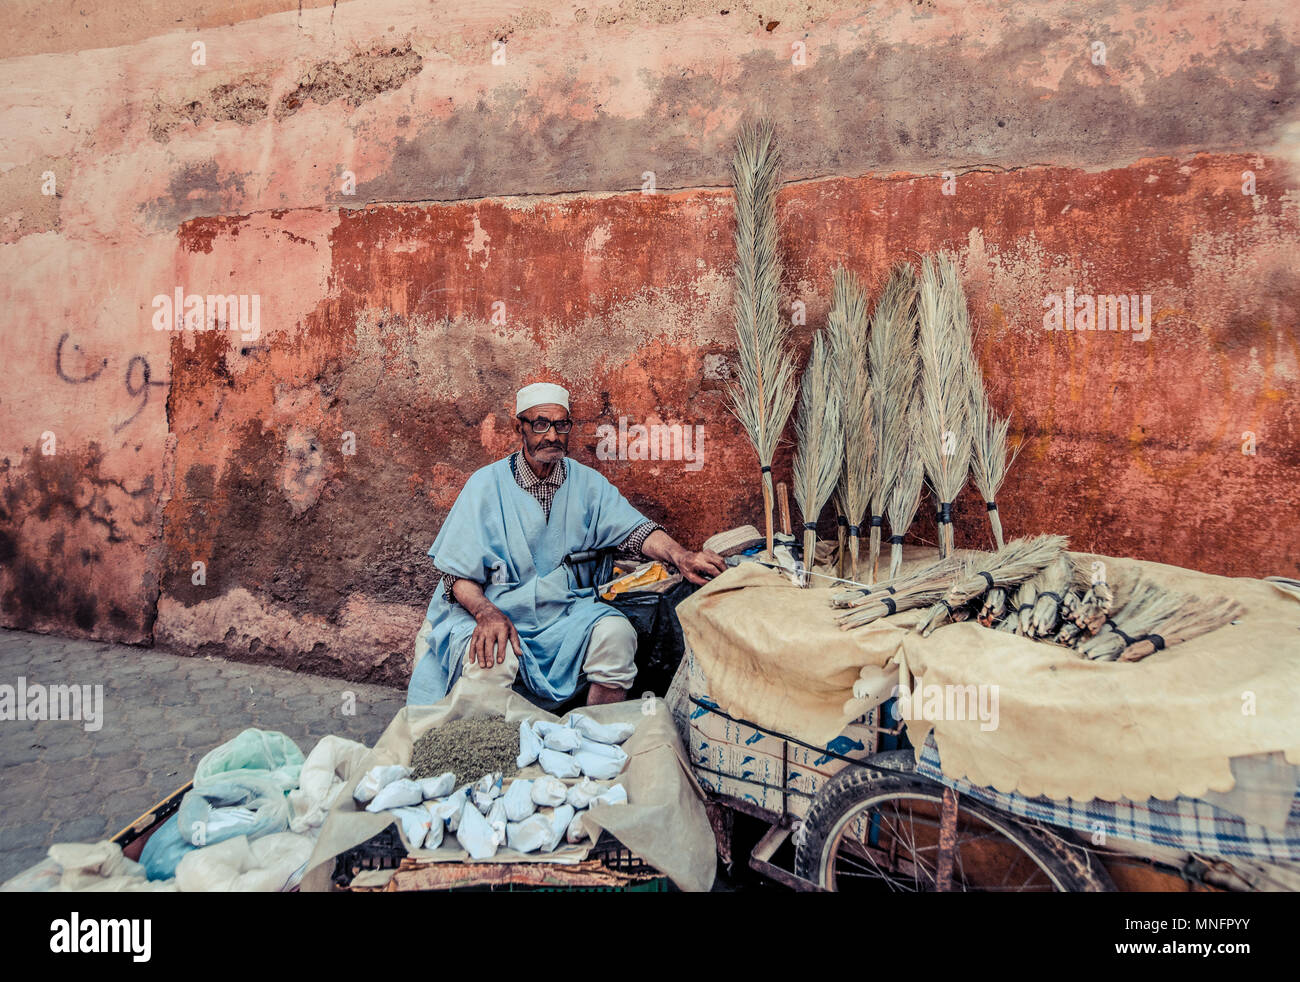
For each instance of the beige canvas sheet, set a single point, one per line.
(663, 822)
(1168, 725)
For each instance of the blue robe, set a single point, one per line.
(497, 534)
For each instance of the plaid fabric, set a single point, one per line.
(1184, 823)
(544, 489)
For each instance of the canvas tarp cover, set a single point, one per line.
(663, 822)
(1168, 725)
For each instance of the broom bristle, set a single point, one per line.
(763, 394)
(819, 454)
(892, 358)
(847, 328)
(944, 343)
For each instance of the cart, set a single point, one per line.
(881, 825)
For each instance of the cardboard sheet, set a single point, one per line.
(663, 822)
(1066, 727)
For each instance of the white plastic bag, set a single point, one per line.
(434, 837)
(530, 744)
(580, 794)
(437, 787)
(497, 813)
(518, 800)
(562, 738)
(601, 732)
(400, 793)
(475, 835)
(323, 778)
(266, 865)
(448, 808)
(549, 791)
(617, 795)
(486, 791)
(557, 764)
(600, 761)
(528, 835)
(416, 823)
(560, 819)
(576, 831)
(377, 778)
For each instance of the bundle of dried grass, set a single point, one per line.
(942, 571)
(1013, 564)
(904, 499)
(989, 460)
(945, 351)
(894, 366)
(847, 328)
(1050, 588)
(1195, 618)
(764, 392)
(1146, 608)
(921, 593)
(819, 455)
(995, 605)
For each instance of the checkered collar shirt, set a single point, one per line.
(544, 490)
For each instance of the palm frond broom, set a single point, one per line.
(989, 460)
(944, 344)
(847, 329)
(820, 451)
(893, 369)
(905, 489)
(764, 391)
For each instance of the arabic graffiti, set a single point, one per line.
(137, 381)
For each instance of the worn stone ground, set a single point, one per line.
(161, 714)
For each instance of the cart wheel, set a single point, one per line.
(871, 829)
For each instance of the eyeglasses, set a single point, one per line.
(541, 424)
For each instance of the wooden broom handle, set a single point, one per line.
(783, 503)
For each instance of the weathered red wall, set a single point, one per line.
(478, 182)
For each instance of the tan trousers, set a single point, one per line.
(610, 658)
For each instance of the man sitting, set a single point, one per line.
(508, 606)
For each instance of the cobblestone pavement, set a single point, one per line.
(161, 714)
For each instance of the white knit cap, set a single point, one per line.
(541, 394)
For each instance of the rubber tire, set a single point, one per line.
(1073, 867)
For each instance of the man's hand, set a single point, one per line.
(492, 634)
(700, 567)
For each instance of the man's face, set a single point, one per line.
(548, 447)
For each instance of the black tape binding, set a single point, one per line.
(889, 605)
(945, 512)
(896, 540)
(1156, 640)
(765, 469)
(810, 526)
(855, 530)
(877, 521)
(1023, 607)
(841, 520)
(1115, 627)
(1054, 596)
(990, 506)
(988, 578)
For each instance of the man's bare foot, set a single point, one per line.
(598, 694)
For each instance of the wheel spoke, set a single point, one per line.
(905, 828)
